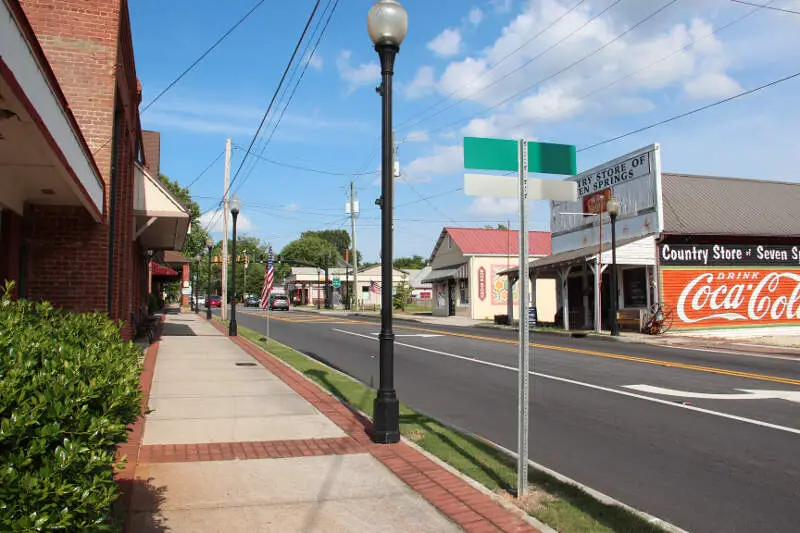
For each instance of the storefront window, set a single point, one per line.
(634, 287)
(463, 292)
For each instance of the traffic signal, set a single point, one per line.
(261, 258)
(279, 258)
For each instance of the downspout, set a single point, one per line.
(112, 211)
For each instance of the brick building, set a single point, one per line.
(79, 208)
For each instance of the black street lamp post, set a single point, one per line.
(195, 292)
(236, 206)
(209, 245)
(613, 208)
(387, 24)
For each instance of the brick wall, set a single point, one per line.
(88, 44)
(66, 257)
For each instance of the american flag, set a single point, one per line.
(269, 279)
(374, 287)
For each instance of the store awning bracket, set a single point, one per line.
(150, 222)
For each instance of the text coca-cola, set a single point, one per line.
(740, 296)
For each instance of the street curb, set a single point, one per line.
(131, 449)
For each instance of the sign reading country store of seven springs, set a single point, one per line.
(731, 285)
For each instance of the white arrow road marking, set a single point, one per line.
(749, 394)
(659, 401)
(423, 335)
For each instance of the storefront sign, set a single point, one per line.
(719, 297)
(634, 179)
(481, 284)
(609, 175)
(728, 255)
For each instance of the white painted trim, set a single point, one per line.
(23, 63)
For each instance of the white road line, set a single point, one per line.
(719, 414)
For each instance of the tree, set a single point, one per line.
(401, 296)
(196, 239)
(339, 238)
(499, 226)
(311, 249)
(412, 263)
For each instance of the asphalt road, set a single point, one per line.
(705, 464)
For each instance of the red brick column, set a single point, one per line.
(185, 305)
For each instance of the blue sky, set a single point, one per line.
(482, 68)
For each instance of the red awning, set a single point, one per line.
(163, 271)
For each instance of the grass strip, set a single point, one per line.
(562, 506)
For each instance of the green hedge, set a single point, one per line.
(68, 390)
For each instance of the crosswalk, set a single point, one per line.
(306, 318)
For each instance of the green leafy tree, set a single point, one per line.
(339, 238)
(499, 226)
(311, 249)
(402, 296)
(196, 239)
(413, 263)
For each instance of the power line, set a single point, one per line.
(424, 199)
(261, 143)
(305, 169)
(520, 67)
(661, 60)
(497, 64)
(206, 169)
(766, 6)
(430, 197)
(203, 55)
(568, 67)
(190, 67)
(275, 95)
(692, 112)
(296, 85)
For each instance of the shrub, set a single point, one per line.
(68, 391)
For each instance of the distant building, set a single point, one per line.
(466, 266)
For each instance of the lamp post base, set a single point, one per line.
(232, 330)
(386, 409)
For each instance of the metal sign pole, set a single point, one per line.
(524, 345)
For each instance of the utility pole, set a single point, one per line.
(224, 295)
(353, 211)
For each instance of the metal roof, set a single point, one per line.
(442, 273)
(483, 241)
(705, 205)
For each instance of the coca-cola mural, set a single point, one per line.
(712, 285)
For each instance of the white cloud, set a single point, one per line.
(484, 205)
(502, 6)
(417, 137)
(475, 16)
(212, 222)
(447, 43)
(291, 207)
(364, 74)
(444, 160)
(423, 84)
(316, 62)
(517, 79)
(712, 85)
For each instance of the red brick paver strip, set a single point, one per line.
(471, 509)
(229, 451)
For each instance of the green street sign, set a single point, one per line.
(337, 282)
(503, 154)
(549, 158)
(491, 154)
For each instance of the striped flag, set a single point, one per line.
(374, 287)
(269, 279)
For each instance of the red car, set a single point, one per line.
(214, 301)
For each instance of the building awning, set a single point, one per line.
(161, 271)
(548, 266)
(43, 154)
(457, 271)
(162, 222)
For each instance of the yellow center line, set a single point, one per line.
(635, 359)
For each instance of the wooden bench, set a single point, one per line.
(631, 319)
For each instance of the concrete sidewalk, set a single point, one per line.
(236, 441)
